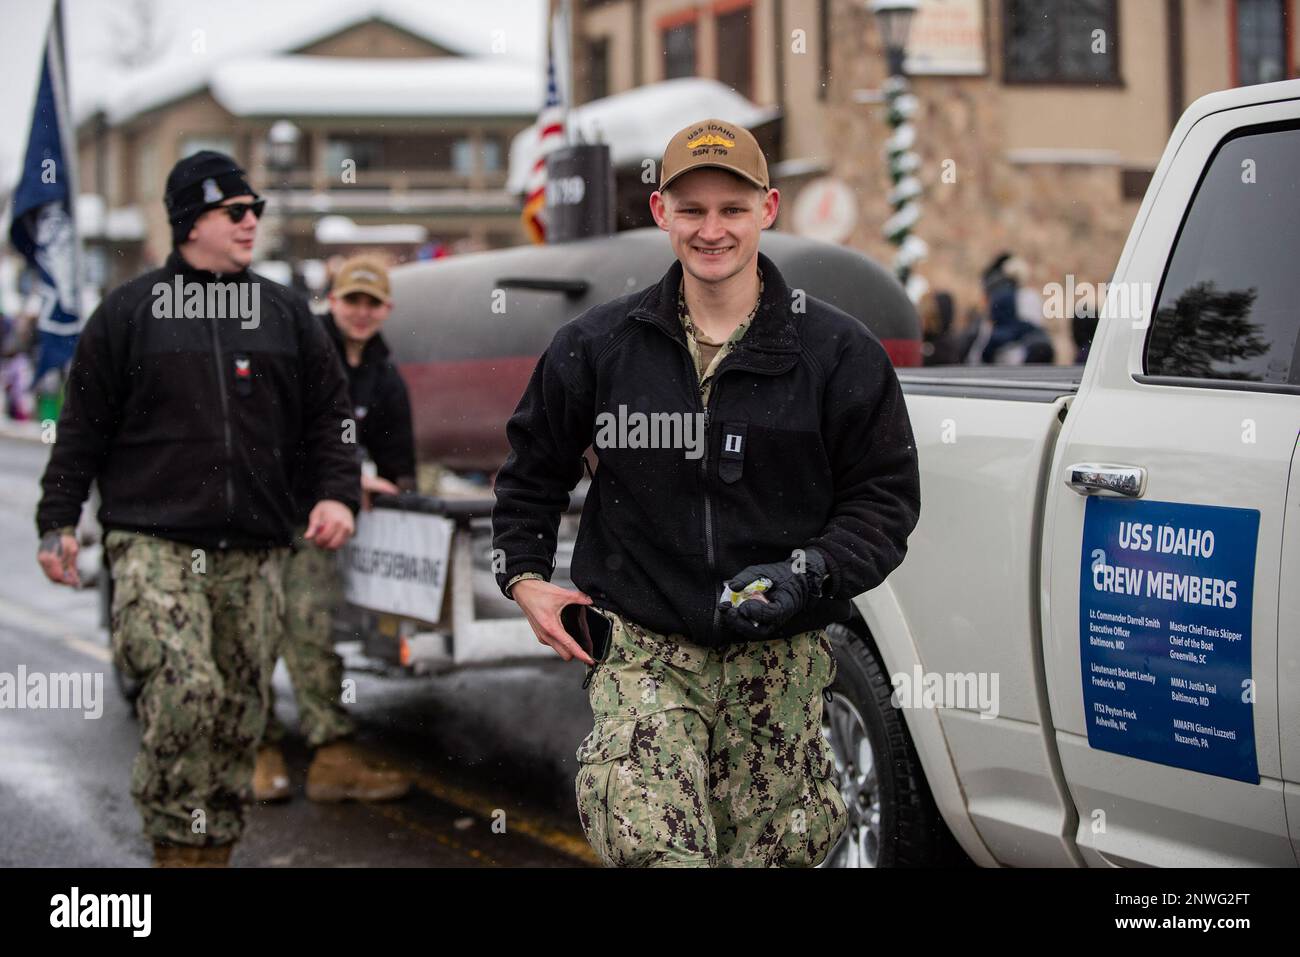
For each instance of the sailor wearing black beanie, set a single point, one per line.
(198, 183)
(189, 386)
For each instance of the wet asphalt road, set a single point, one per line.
(484, 745)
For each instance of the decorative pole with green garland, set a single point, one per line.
(895, 20)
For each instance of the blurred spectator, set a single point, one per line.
(939, 341)
(1029, 301)
(971, 336)
(16, 368)
(1011, 341)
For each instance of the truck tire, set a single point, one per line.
(893, 820)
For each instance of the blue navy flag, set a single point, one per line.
(43, 229)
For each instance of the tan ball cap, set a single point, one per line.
(718, 144)
(363, 274)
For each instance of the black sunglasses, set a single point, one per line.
(237, 211)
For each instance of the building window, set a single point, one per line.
(493, 153)
(362, 154)
(736, 51)
(462, 157)
(1060, 41)
(400, 153)
(489, 155)
(146, 170)
(1133, 183)
(597, 68)
(1261, 41)
(679, 51)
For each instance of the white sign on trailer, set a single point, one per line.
(397, 563)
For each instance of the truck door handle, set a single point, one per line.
(1088, 478)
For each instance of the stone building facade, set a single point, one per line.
(1045, 148)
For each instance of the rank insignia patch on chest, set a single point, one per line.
(243, 374)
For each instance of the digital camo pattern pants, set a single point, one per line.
(196, 630)
(709, 757)
(313, 588)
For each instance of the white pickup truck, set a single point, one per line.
(1091, 653)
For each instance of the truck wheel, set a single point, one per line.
(893, 821)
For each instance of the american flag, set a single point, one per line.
(549, 138)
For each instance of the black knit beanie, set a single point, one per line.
(198, 183)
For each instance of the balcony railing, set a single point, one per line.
(394, 179)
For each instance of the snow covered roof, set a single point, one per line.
(333, 230)
(338, 86)
(95, 220)
(638, 123)
(442, 23)
(450, 24)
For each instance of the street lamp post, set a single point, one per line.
(894, 18)
(281, 155)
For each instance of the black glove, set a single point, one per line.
(789, 594)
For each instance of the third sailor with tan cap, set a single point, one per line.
(360, 302)
(766, 475)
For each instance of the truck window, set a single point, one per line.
(1229, 306)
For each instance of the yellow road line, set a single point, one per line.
(22, 616)
(96, 651)
(557, 839)
(553, 837)
(394, 813)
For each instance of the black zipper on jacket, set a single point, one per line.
(225, 418)
(693, 377)
(708, 510)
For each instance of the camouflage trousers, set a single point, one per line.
(706, 757)
(195, 628)
(313, 588)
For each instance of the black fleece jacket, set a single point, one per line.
(807, 444)
(190, 422)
